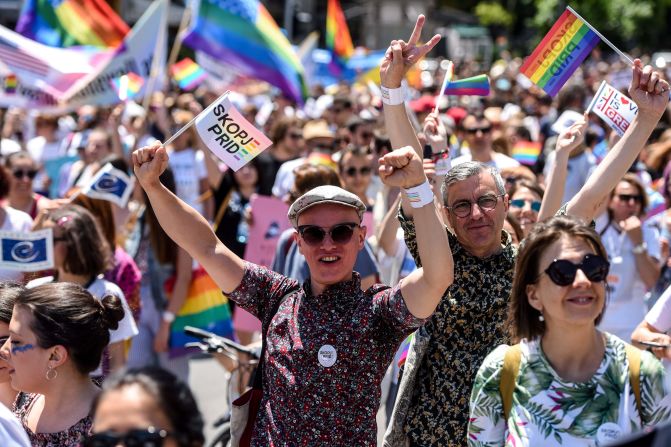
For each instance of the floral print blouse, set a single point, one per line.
(325, 357)
(549, 411)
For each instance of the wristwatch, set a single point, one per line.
(640, 248)
(168, 316)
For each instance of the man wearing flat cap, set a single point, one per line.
(329, 343)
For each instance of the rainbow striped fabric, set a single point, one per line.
(66, 23)
(474, 86)
(188, 74)
(206, 308)
(128, 85)
(560, 53)
(402, 353)
(338, 39)
(526, 152)
(11, 83)
(244, 35)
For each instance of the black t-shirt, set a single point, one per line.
(268, 166)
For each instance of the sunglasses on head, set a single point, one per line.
(21, 173)
(474, 130)
(150, 437)
(629, 197)
(351, 172)
(339, 234)
(562, 272)
(520, 203)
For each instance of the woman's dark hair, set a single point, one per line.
(172, 396)
(88, 252)
(117, 162)
(354, 151)
(164, 248)
(307, 177)
(281, 127)
(102, 211)
(4, 182)
(9, 159)
(517, 228)
(531, 186)
(66, 314)
(9, 291)
(523, 319)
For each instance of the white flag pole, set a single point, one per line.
(608, 42)
(190, 123)
(447, 78)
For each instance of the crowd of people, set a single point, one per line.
(510, 303)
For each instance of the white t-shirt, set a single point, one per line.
(499, 160)
(284, 179)
(100, 287)
(15, 220)
(8, 146)
(188, 167)
(625, 308)
(12, 433)
(579, 168)
(660, 315)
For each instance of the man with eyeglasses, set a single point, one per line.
(476, 131)
(328, 343)
(432, 404)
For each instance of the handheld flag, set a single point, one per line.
(67, 23)
(474, 86)
(228, 134)
(128, 85)
(338, 39)
(10, 84)
(27, 252)
(110, 184)
(404, 349)
(560, 53)
(526, 152)
(188, 74)
(613, 107)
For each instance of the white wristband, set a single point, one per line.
(420, 195)
(393, 96)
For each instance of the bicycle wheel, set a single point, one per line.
(222, 437)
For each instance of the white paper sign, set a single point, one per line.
(27, 252)
(614, 108)
(566, 120)
(110, 184)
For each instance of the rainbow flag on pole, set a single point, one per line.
(188, 74)
(128, 85)
(527, 152)
(244, 35)
(474, 86)
(11, 83)
(562, 50)
(338, 39)
(66, 23)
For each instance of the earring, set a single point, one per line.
(541, 318)
(51, 373)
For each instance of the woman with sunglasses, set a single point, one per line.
(56, 338)
(11, 219)
(564, 382)
(148, 407)
(634, 252)
(525, 203)
(355, 166)
(21, 195)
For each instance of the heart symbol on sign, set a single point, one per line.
(624, 100)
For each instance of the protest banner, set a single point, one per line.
(27, 252)
(613, 107)
(269, 220)
(110, 184)
(228, 134)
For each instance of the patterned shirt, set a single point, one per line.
(325, 357)
(550, 411)
(448, 350)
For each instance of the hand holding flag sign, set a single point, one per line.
(27, 252)
(110, 184)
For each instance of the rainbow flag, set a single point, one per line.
(66, 23)
(527, 152)
(474, 86)
(128, 85)
(559, 54)
(244, 35)
(403, 350)
(11, 82)
(338, 39)
(188, 74)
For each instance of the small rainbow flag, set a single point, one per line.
(188, 74)
(560, 53)
(11, 82)
(474, 86)
(338, 39)
(526, 152)
(128, 85)
(404, 349)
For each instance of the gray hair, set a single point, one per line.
(466, 170)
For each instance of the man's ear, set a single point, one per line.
(506, 202)
(298, 241)
(532, 297)
(362, 236)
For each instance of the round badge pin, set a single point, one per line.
(607, 433)
(327, 356)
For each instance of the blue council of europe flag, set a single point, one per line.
(110, 184)
(27, 252)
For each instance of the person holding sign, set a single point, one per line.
(328, 343)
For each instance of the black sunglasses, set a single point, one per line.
(628, 197)
(351, 172)
(20, 173)
(562, 272)
(340, 234)
(474, 130)
(150, 437)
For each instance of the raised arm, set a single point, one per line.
(424, 287)
(397, 61)
(651, 94)
(183, 224)
(567, 141)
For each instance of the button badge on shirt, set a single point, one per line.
(607, 433)
(327, 356)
